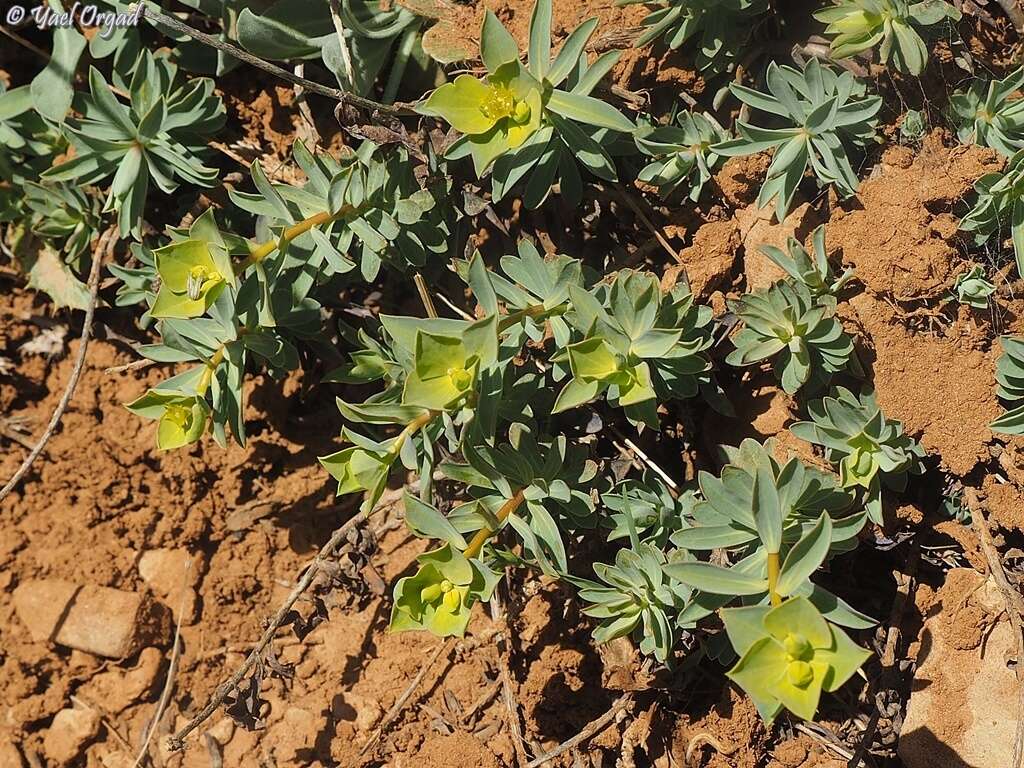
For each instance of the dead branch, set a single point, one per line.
(1012, 599)
(104, 246)
(591, 729)
(627, 198)
(177, 742)
(244, 56)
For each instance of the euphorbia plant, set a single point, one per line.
(1010, 385)
(815, 274)
(870, 449)
(820, 116)
(156, 137)
(682, 153)
(720, 30)
(989, 115)
(803, 339)
(973, 288)
(638, 342)
(764, 512)
(533, 124)
(1000, 207)
(896, 26)
(789, 654)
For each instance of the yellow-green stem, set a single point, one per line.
(211, 367)
(773, 578)
(411, 429)
(485, 533)
(260, 252)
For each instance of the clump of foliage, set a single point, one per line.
(973, 288)
(820, 114)
(647, 345)
(870, 450)
(1000, 207)
(681, 153)
(896, 26)
(1010, 385)
(779, 523)
(802, 337)
(789, 654)
(158, 136)
(719, 30)
(637, 597)
(814, 274)
(988, 116)
(537, 123)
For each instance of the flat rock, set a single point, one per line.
(70, 732)
(98, 620)
(757, 229)
(963, 698)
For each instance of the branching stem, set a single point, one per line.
(332, 93)
(485, 533)
(536, 312)
(411, 429)
(261, 251)
(211, 367)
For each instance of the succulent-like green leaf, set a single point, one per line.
(823, 113)
(896, 26)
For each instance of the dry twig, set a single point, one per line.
(699, 740)
(104, 246)
(627, 198)
(590, 730)
(322, 90)
(1013, 601)
(172, 671)
(177, 742)
(135, 365)
(507, 691)
(905, 582)
(401, 701)
(339, 31)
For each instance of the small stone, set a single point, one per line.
(294, 736)
(70, 732)
(98, 620)
(40, 605)
(173, 574)
(222, 731)
(367, 711)
(10, 755)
